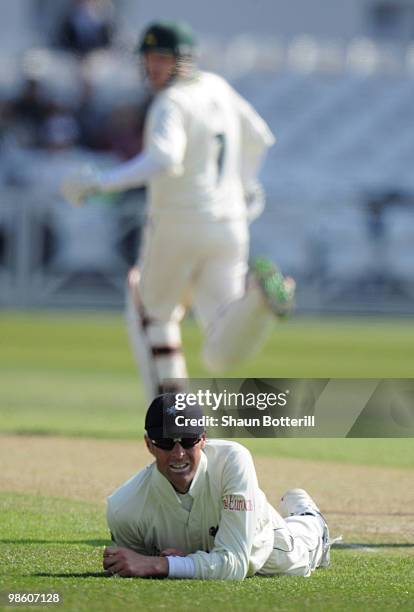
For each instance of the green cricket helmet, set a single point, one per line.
(174, 37)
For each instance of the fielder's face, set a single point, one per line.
(159, 68)
(178, 465)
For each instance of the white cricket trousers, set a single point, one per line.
(297, 547)
(200, 264)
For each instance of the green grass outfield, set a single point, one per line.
(55, 369)
(73, 375)
(54, 545)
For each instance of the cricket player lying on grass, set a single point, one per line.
(203, 146)
(198, 511)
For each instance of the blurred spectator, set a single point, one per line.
(88, 25)
(124, 135)
(28, 112)
(60, 130)
(91, 118)
(6, 118)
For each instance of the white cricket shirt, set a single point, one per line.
(203, 132)
(228, 531)
(202, 147)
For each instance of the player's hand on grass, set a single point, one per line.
(77, 187)
(174, 552)
(119, 561)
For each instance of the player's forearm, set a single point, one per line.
(158, 567)
(206, 566)
(180, 567)
(148, 566)
(223, 565)
(133, 173)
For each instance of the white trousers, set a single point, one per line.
(203, 265)
(297, 547)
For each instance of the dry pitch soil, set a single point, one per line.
(367, 505)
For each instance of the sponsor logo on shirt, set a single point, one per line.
(237, 503)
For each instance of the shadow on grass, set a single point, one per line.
(91, 575)
(72, 575)
(99, 543)
(371, 546)
(96, 543)
(33, 541)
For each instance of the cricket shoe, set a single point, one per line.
(298, 502)
(278, 290)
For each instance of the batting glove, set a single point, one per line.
(78, 187)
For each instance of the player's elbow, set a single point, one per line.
(238, 568)
(235, 565)
(223, 565)
(167, 161)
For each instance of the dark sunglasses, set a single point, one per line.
(169, 443)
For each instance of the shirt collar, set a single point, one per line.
(199, 478)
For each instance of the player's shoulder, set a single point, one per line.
(212, 78)
(226, 450)
(202, 80)
(133, 491)
(216, 84)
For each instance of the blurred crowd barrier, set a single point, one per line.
(348, 255)
(54, 255)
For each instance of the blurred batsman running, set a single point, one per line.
(198, 511)
(203, 147)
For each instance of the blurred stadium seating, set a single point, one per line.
(340, 214)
